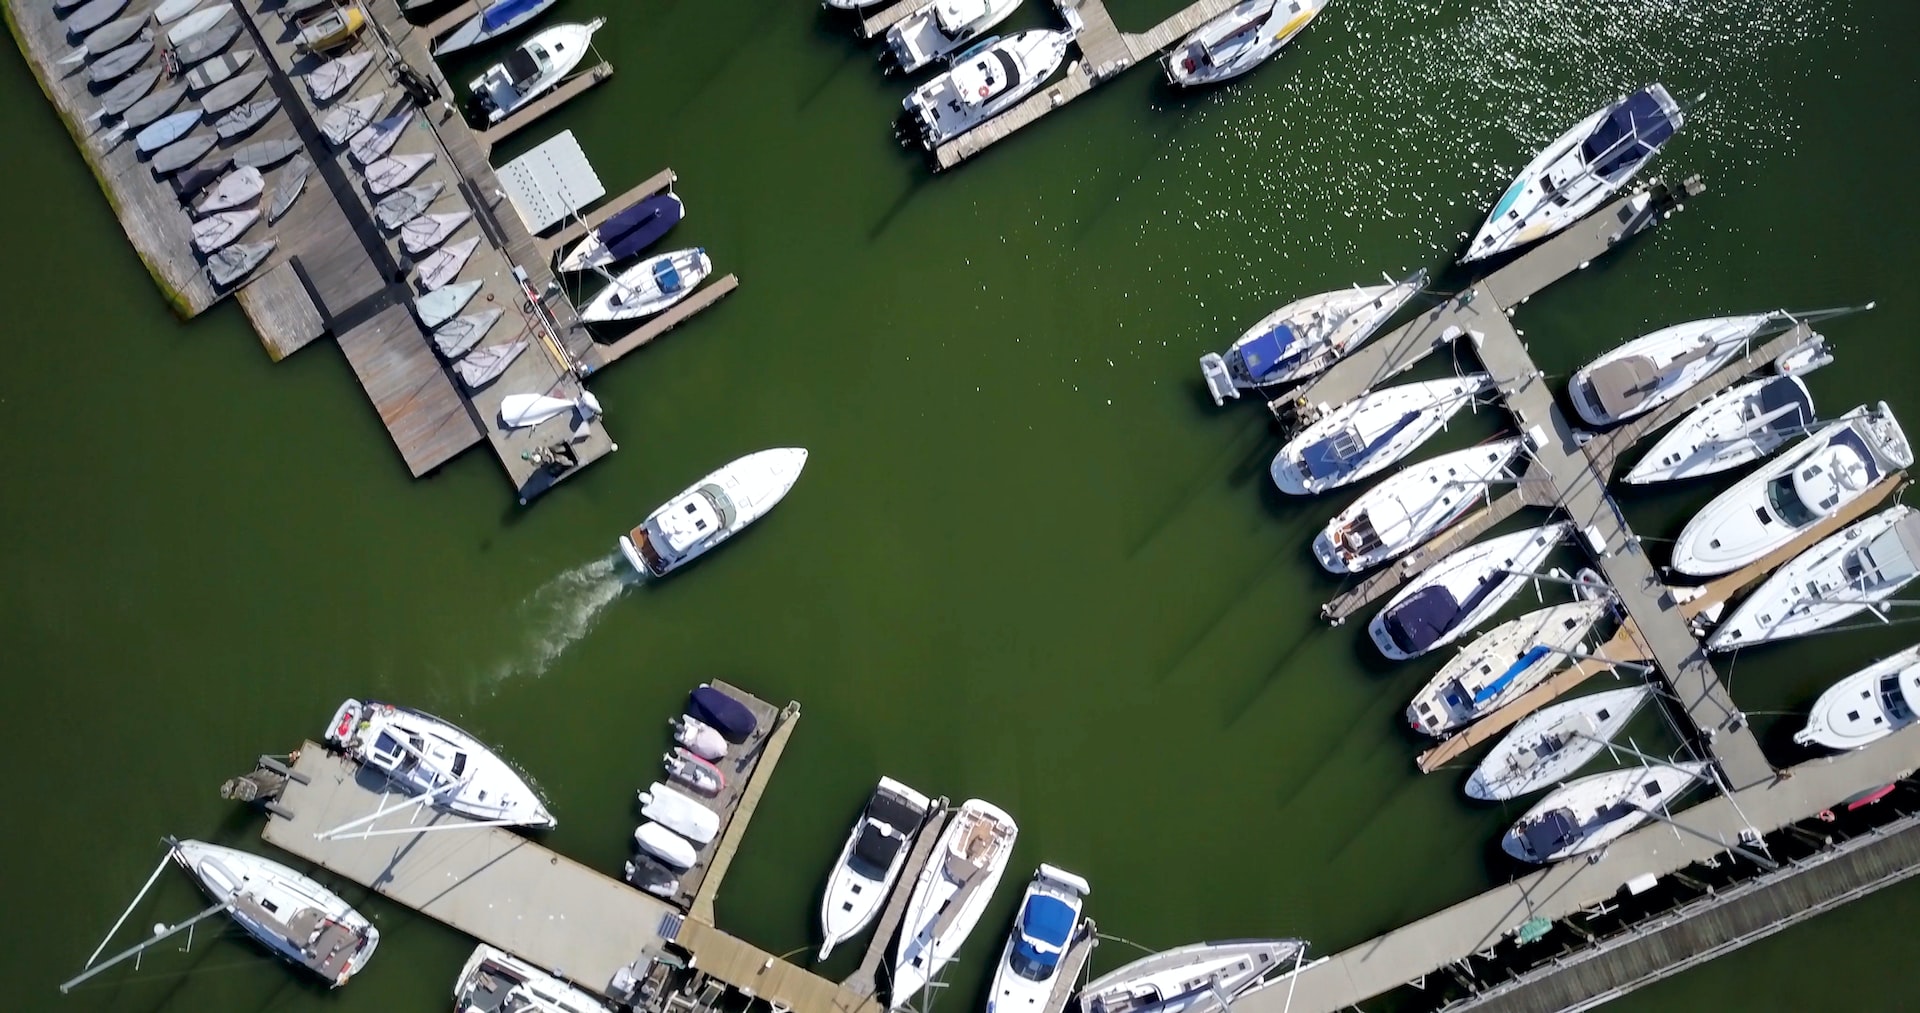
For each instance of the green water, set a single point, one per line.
(1028, 560)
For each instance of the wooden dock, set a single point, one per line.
(865, 980)
(568, 90)
(656, 326)
(748, 770)
(888, 16)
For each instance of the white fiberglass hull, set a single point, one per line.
(1500, 665)
(1737, 426)
(1552, 743)
(425, 755)
(1841, 576)
(1867, 706)
(984, 85)
(490, 972)
(1412, 505)
(857, 886)
(977, 843)
(1594, 811)
(1045, 926)
(639, 291)
(1306, 336)
(919, 39)
(752, 484)
(1370, 433)
(1246, 36)
(261, 892)
(1458, 593)
(565, 46)
(1191, 978)
(1651, 370)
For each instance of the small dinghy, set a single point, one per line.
(1737, 426)
(497, 19)
(299, 920)
(665, 845)
(701, 517)
(232, 92)
(1844, 574)
(199, 21)
(437, 762)
(1370, 433)
(649, 286)
(1867, 706)
(169, 11)
(941, 28)
(626, 233)
(445, 264)
(1649, 371)
(1501, 665)
(439, 306)
(241, 119)
(376, 139)
(731, 718)
(1455, 595)
(236, 189)
(115, 65)
(702, 738)
(1769, 508)
(219, 229)
(1046, 924)
(188, 185)
(122, 96)
(352, 117)
(1246, 36)
(495, 981)
(92, 16)
(163, 132)
(950, 894)
(1553, 742)
(147, 111)
(645, 872)
(205, 45)
(332, 77)
(236, 262)
(1305, 337)
(428, 231)
(870, 862)
(454, 337)
(483, 366)
(1197, 978)
(267, 154)
(694, 772)
(666, 806)
(984, 82)
(1412, 505)
(519, 411)
(1595, 811)
(333, 29)
(535, 68)
(218, 69)
(287, 189)
(395, 171)
(107, 37)
(181, 153)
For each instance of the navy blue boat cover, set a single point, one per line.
(1264, 353)
(728, 716)
(1425, 617)
(505, 11)
(1340, 452)
(1554, 830)
(639, 226)
(1628, 136)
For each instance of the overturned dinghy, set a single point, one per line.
(1595, 811)
(205, 45)
(376, 139)
(267, 154)
(332, 77)
(352, 117)
(1737, 426)
(122, 96)
(1370, 433)
(445, 264)
(483, 366)
(218, 69)
(454, 337)
(286, 190)
(147, 111)
(232, 92)
(236, 189)
(1553, 742)
(439, 306)
(115, 65)
(402, 206)
(1458, 593)
(428, 231)
(1846, 573)
(1247, 35)
(395, 171)
(199, 21)
(1412, 505)
(1500, 666)
(236, 262)
(180, 154)
(1867, 706)
(236, 122)
(1305, 337)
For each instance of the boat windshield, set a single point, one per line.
(1893, 700)
(1785, 501)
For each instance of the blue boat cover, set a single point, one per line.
(1419, 622)
(1851, 440)
(1264, 353)
(1554, 830)
(1047, 921)
(1629, 135)
(728, 716)
(1340, 452)
(506, 11)
(639, 226)
(1527, 660)
(666, 276)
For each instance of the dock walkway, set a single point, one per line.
(748, 772)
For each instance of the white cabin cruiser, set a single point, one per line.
(1501, 664)
(1846, 573)
(1196, 978)
(428, 757)
(950, 895)
(1651, 370)
(942, 28)
(534, 68)
(1767, 509)
(650, 286)
(1460, 592)
(495, 981)
(1867, 706)
(984, 82)
(712, 510)
(1305, 337)
(301, 921)
(1595, 811)
(1553, 742)
(1045, 926)
(1579, 172)
(1412, 505)
(1247, 35)
(871, 860)
(1371, 432)
(1739, 425)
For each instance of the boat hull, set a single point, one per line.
(754, 484)
(942, 912)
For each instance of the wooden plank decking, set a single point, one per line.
(426, 416)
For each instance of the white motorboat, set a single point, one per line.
(1460, 592)
(1737, 426)
(684, 815)
(950, 895)
(533, 69)
(1412, 505)
(1867, 706)
(495, 981)
(984, 82)
(1594, 811)
(1046, 924)
(1553, 742)
(1846, 573)
(1816, 478)
(1371, 432)
(431, 758)
(870, 862)
(1500, 665)
(1580, 171)
(711, 511)
(1305, 336)
(665, 845)
(648, 287)
(1245, 36)
(1196, 978)
(301, 921)
(941, 28)
(1651, 370)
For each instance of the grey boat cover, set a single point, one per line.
(402, 206)
(483, 366)
(126, 93)
(163, 132)
(205, 45)
(455, 336)
(115, 65)
(1892, 557)
(218, 69)
(182, 153)
(114, 34)
(62, 6)
(428, 231)
(233, 191)
(374, 141)
(242, 118)
(217, 230)
(235, 262)
(1620, 387)
(187, 185)
(287, 189)
(92, 16)
(232, 93)
(332, 77)
(445, 264)
(388, 173)
(154, 106)
(348, 119)
(265, 154)
(439, 306)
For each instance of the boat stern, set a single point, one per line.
(632, 554)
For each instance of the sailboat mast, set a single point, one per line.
(122, 920)
(134, 951)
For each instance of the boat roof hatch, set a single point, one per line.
(551, 183)
(1893, 555)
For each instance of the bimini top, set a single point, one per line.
(1628, 136)
(1045, 927)
(1343, 451)
(1264, 354)
(1889, 557)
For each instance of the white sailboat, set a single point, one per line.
(301, 921)
(942, 28)
(1197, 978)
(711, 511)
(870, 862)
(648, 287)
(1579, 172)
(950, 895)
(1553, 742)
(536, 67)
(1371, 432)
(983, 83)
(1594, 811)
(1737, 426)
(1770, 507)
(1046, 924)
(1244, 37)
(1412, 505)
(495, 981)
(1651, 370)
(1867, 706)
(1846, 573)
(437, 763)
(1500, 665)
(1460, 592)
(1305, 336)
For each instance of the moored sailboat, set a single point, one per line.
(1500, 665)
(1305, 336)
(1368, 434)
(1412, 505)
(1458, 593)
(950, 895)
(1553, 742)
(437, 763)
(1595, 811)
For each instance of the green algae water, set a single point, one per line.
(1028, 561)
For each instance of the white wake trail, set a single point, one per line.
(560, 613)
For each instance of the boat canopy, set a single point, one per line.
(524, 64)
(1554, 830)
(1045, 927)
(505, 12)
(666, 276)
(1492, 688)
(1419, 622)
(1785, 395)
(639, 226)
(1889, 558)
(728, 716)
(895, 811)
(1263, 353)
(1340, 452)
(1628, 136)
(877, 845)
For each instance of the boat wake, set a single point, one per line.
(560, 613)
